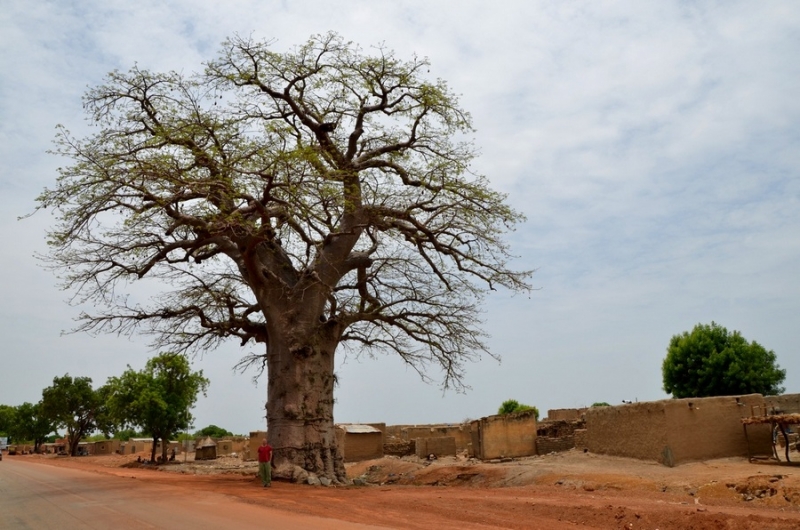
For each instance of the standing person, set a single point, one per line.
(265, 463)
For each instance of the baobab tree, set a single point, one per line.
(302, 200)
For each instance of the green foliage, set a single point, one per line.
(284, 154)
(327, 192)
(511, 406)
(105, 422)
(6, 419)
(30, 425)
(95, 438)
(213, 431)
(710, 361)
(126, 434)
(72, 404)
(601, 404)
(157, 399)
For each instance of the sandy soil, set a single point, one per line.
(565, 490)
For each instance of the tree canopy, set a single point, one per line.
(157, 399)
(510, 406)
(213, 431)
(299, 200)
(73, 404)
(30, 424)
(7, 413)
(711, 361)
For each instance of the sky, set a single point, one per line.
(654, 148)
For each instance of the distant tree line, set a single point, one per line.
(156, 401)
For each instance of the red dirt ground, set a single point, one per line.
(558, 491)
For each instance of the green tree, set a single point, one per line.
(301, 201)
(6, 419)
(74, 405)
(126, 434)
(157, 399)
(105, 421)
(710, 361)
(30, 424)
(213, 431)
(511, 406)
(601, 404)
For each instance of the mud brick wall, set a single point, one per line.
(356, 447)
(565, 414)
(712, 428)
(251, 452)
(675, 431)
(786, 403)
(580, 438)
(394, 432)
(442, 446)
(399, 448)
(558, 428)
(509, 436)
(86, 446)
(461, 433)
(240, 445)
(546, 445)
(106, 447)
(170, 446)
(224, 447)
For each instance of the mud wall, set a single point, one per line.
(708, 428)
(637, 430)
(564, 414)
(87, 447)
(460, 432)
(505, 436)
(394, 431)
(443, 446)
(675, 431)
(106, 447)
(356, 447)
(399, 448)
(546, 445)
(251, 451)
(786, 403)
(580, 438)
(170, 446)
(224, 447)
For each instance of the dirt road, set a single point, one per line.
(568, 490)
(41, 497)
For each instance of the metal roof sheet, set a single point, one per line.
(353, 428)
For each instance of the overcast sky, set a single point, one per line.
(653, 146)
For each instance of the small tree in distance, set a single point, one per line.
(213, 431)
(157, 399)
(710, 361)
(601, 404)
(73, 404)
(31, 424)
(511, 406)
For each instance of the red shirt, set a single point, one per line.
(264, 453)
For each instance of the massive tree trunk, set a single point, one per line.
(300, 402)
